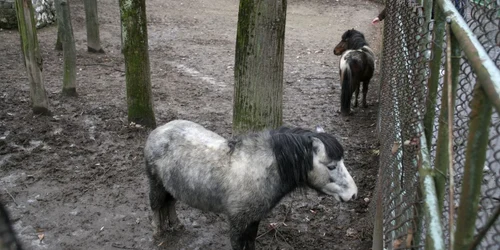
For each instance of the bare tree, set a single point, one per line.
(258, 71)
(68, 44)
(32, 57)
(93, 38)
(137, 70)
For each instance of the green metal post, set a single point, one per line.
(378, 224)
(435, 66)
(477, 143)
(441, 161)
(432, 215)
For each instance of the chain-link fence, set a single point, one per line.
(421, 63)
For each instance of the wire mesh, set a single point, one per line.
(403, 77)
(402, 98)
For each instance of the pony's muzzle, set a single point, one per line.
(354, 196)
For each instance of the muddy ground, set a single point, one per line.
(75, 180)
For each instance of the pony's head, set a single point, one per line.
(329, 174)
(314, 159)
(351, 39)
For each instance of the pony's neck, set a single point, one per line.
(282, 188)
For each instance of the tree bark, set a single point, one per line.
(258, 70)
(68, 44)
(137, 70)
(32, 57)
(92, 21)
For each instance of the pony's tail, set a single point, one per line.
(346, 92)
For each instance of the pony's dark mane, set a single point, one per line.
(294, 157)
(354, 39)
(293, 149)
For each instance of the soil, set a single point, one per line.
(75, 179)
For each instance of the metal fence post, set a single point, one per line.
(477, 144)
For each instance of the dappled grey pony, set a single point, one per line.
(243, 178)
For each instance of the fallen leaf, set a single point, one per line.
(41, 237)
(351, 232)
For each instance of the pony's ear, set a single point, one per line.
(319, 129)
(316, 143)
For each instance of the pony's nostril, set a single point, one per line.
(354, 196)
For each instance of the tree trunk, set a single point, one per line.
(59, 39)
(137, 70)
(93, 38)
(68, 44)
(32, 57)
(258, 68)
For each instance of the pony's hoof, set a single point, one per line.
(177, 227)
(159, 234)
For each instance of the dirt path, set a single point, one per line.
(77, 177)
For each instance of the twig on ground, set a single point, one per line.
(117, 245)
(11, 196)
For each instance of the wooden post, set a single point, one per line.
(32, 57)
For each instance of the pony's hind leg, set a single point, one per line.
(163, 206)
(365, 91)
(356, 96)
(169, 208)
(157, 199)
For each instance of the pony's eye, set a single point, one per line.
(332, 167)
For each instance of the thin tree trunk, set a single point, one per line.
(137, 70)
(93, 38)
(32, 57)
(59, 39)
(258, 71)
(69, 51)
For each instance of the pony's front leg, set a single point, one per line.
(243, 237)
(365, 91)
(251, 235)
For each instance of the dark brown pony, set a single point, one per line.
(357, 65)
